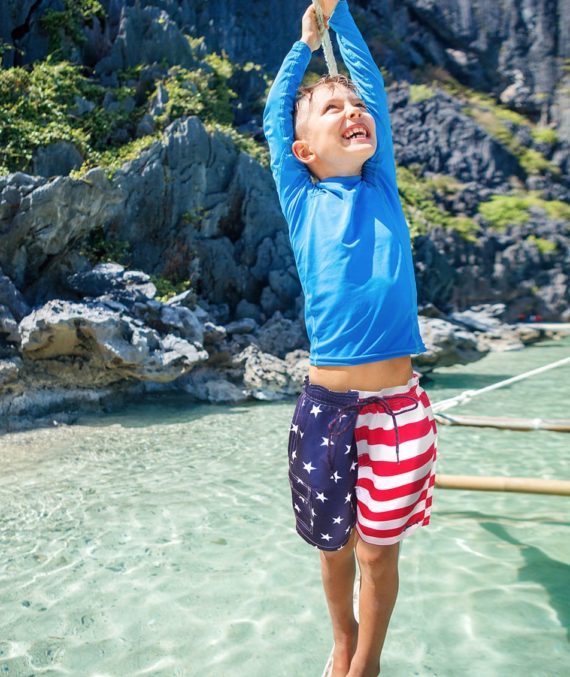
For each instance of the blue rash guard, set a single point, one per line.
(349, 235)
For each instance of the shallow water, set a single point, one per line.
(160, 541)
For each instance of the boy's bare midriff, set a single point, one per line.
(396, 371)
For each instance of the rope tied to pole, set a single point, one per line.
(325, 39)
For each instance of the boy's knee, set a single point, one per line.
(376, 557)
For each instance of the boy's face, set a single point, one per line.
(335, 132)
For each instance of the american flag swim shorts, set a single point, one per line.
(361, 458)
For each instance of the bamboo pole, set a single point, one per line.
(525, 485)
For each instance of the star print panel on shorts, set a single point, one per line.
(324, 499)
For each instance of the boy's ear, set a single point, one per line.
(302, 151)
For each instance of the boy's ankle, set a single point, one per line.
(360, 668)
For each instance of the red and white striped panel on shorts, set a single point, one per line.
(394, 499)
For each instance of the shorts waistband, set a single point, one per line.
(326, 396)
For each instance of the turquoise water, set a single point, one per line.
(160, 541)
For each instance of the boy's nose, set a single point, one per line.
(354, 111)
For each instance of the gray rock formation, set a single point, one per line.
(42, 221)
(113, 344)
(436, 134)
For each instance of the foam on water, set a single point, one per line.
(160, 541)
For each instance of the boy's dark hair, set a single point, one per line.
(306, 92)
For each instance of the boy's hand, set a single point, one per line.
(310, 25)
(328, 7)
(310, 29)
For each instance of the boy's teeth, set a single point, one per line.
(358, 132)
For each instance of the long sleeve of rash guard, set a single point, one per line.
(370, 83)
(291, 176)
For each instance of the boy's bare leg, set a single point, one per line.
(338, 570)
(379, 582)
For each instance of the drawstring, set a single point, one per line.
(384, 403)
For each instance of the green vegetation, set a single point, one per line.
(420, 209)
(36, 110)
(512, 210)
(65, 27)
(56, 100)
(166, 289)
(544, 246)
(545, 135)
(98, 249)
(421, 93)
(201, 92)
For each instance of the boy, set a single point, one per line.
(362, 442)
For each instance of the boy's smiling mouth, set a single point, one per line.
(356, 132)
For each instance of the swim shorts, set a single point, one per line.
(361, 458)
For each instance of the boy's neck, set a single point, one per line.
(321, 176)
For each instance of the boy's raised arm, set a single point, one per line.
(289, 173)
(368, 78)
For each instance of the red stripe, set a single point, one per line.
(387, 533)
(407, 433)
(394, 492)
(391, 514)
(391, 468)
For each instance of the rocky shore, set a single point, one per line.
(67, 357)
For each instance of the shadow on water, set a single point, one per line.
(551, 574)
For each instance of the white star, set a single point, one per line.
(338, 520)
(297, 508)
(308, 467)
(347, 449)
(301, 433)
(294, 454)
(336, 477)
(326, 537)
(353, 466)
(325, 442)
(316, 410)
(321, 497)
(347, 530)
(314, 513)
(348, 497)
(294, 428)
(342, 415)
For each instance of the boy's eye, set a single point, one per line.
(331, 105)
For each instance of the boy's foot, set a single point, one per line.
(343, 652)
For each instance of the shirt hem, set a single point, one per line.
(363, 359)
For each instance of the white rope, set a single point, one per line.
(468, 394)
(325, 40)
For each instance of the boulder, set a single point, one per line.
(265, 376)
(57, 159)
(210, 385)
(111, 340)
(280, 336)
(446, 344)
